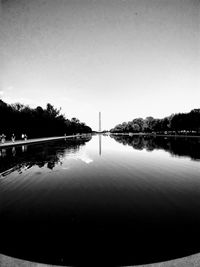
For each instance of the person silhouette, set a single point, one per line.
(13, 138)
(3, 138)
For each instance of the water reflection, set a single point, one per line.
(180, 146)
(45, 154)
(24, 148)
(13, 151)
(99, 144)
(68, 201)
(3, 152)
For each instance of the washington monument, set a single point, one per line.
(99, 121)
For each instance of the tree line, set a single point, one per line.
(37, 122)
(179, 123)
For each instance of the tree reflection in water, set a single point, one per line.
(176, 146)
(50, 154)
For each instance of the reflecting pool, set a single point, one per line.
(101, 200)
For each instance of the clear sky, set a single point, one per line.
(125, 58)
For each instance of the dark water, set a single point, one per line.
(101, 200)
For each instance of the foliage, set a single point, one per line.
(18, 118)
(176, 123)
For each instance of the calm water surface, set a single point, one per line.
(101, 200)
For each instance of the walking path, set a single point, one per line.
(190, 261)
(36, 140)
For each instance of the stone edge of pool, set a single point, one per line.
(189, 261)
(37, 140)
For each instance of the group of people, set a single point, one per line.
(3, 138)
(24, 137)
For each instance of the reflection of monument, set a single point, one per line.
(100, 134)
(99, 144)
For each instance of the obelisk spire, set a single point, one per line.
(99, 121)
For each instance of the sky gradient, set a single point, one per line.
(127, 59)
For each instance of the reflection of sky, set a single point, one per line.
(79, 155)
